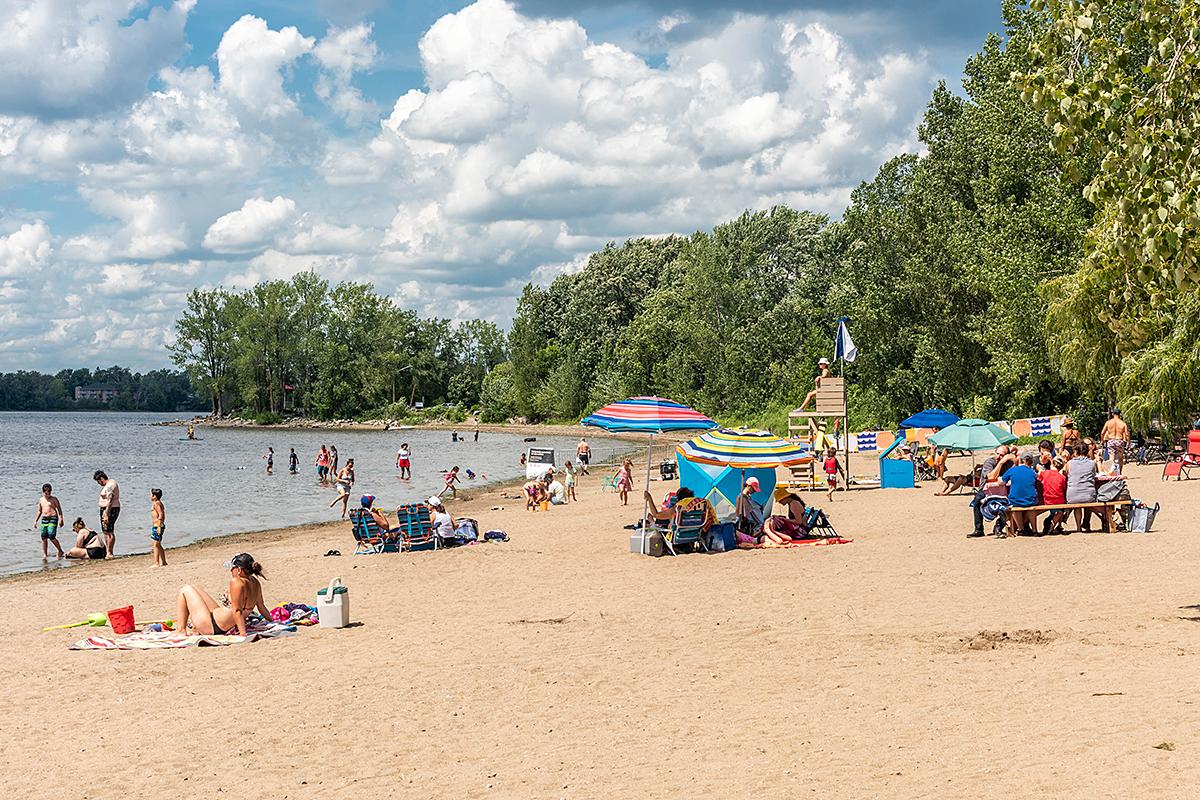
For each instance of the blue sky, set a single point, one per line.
(447, 152)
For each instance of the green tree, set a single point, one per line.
(205, 342)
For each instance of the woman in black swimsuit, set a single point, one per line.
(208, 617)
(88, 543)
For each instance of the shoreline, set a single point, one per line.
(278, 534)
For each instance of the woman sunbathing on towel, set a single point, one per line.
(208, 617)
(783, 528)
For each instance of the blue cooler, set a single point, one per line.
(721, 538)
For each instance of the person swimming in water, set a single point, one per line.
(208, 617)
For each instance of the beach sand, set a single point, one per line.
(911, 663)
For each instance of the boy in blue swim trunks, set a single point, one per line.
(158, 526)
(49, 517)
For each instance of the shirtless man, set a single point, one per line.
(110, 509)
(1115, 436)
(583, 454)
(208, 617)
(49, 519)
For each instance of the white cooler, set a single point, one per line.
(333, 605)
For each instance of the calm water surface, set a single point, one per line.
(217, 485)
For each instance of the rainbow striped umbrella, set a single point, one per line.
(648, 415)
(744, 449)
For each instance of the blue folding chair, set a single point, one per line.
(415, 528)
(685, 529)
(369, 537)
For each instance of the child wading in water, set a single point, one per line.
(158, 526)
(49, 518)
(625, 480)
(270, 457)
(451, 479)
(832, 468)
(293, 461)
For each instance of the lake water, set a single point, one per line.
(217, 485)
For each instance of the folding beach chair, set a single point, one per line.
(415, 528)
(369, 537)
(819, 526)
(685, 528)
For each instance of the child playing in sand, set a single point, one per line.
(158, 526)
(49, 517)
(569, 469)
(451, 480)
(832, 468)
(625, 480)
(533, 494)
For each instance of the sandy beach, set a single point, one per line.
(913, 662)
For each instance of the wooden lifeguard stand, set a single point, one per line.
(811, 426)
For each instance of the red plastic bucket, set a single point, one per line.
(121, 620)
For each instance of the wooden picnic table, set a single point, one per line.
(1104, 507)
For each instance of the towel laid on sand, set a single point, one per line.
(166, 640)
(794, 543)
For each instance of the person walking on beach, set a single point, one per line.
(583, 453)
(451, 480)
(832, 468)
(48, 520)
(1115, 436)
(404, 462)
(569, 471)
(333, 459)
(110, 509)
(625, 480)
(270, 457)
(293, 461)
(158, 526)
(345, 480)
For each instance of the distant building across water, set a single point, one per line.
(103, 392)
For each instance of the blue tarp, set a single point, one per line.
(930, 418)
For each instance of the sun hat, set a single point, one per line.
(824, 361)
(1068, 421)
(367, 500)
(435, 501)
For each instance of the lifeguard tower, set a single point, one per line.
(811, 426)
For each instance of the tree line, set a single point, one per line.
(158, 390)
(1037, 256)
(344, 351)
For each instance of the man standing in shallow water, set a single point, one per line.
(110, 509)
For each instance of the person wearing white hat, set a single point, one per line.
(822, 372)
(443, 523)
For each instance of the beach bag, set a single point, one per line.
(466, 530)
(1141, 517)
(1109, 491)
(495, 536)
(721, 538)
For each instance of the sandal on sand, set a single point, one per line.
(334, 553)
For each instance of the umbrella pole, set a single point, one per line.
(645, 502)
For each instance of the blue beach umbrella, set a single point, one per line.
(930, 418)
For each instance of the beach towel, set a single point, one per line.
(794, 543)
(168, 640)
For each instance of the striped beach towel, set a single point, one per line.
(169, 640)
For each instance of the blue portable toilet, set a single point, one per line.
(896, 473)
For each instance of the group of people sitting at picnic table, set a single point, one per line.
(753, 526)
(1067, 475)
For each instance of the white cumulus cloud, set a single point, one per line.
(253, 226)
(252, 58)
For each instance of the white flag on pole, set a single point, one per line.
(844, 347)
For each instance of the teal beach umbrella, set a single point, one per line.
(971, 435)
